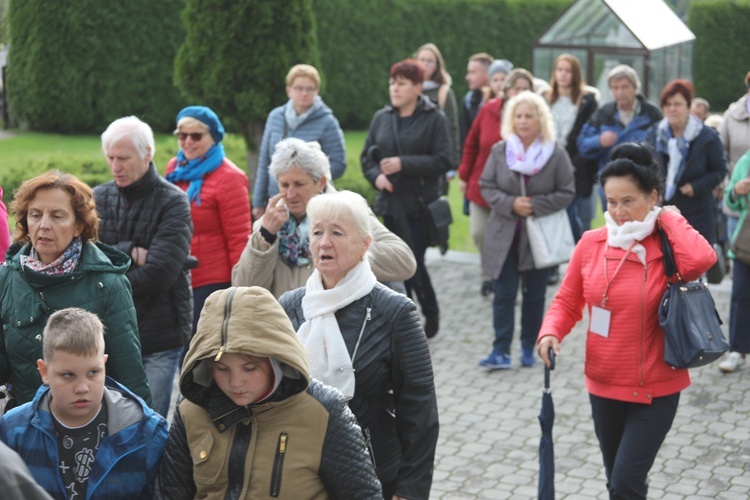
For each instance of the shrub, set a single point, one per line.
(77, 66)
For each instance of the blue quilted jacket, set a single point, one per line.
(127, 459)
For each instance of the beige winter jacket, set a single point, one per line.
(260, 263)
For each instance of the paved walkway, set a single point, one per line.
(489, 433)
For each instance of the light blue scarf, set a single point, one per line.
(195, 170)
(677, 150)
(290, 115)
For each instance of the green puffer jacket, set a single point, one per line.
(28, 298)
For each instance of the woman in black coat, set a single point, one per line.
(406, 154)
(691, 156)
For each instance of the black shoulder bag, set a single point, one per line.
(687, 313)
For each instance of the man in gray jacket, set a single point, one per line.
(148, 218)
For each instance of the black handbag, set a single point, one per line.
(687, 313)
(439, 219)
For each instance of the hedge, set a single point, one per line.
(722, 52)
(77, 66)
(360, 39)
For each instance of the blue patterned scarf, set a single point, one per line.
(64, 264)
(195, 170)
(294, 242)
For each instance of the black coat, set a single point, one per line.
(424, 145)
(586, 169)
(154, 214)
(393, 376)
(705, 168)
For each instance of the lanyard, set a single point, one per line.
(609, 281)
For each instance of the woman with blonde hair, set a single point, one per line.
(306, 117)
(530, 155)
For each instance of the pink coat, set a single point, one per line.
(628, 365)
(221, 224)
(4, 233)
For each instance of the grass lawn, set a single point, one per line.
(29, 153)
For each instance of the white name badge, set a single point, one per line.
(600, 321)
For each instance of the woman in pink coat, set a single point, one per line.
(617, 274)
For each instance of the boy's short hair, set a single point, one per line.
(483, 57)
(74, 331)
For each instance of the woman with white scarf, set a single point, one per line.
(528, 154)
(366, 340)
(617, 274)
(691, 157)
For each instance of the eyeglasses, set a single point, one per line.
(302, 90)
(195, 136)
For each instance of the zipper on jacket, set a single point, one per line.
(361, 332)
(643, 320)
(225, 322)
(370, 450)
(278, 464)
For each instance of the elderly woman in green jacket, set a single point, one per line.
(54, 263)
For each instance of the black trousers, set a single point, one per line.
(630, 435)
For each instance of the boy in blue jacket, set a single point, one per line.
(84, 435)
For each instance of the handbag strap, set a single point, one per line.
(670, 265)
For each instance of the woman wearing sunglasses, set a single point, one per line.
(219, 200)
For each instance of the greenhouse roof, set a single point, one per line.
(641, 24)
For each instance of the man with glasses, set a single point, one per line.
(148, 218)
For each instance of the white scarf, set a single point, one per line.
(320, 335)
(527, 161)
(632, 231)
(677, 149)
(293, 120)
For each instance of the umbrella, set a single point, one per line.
(546, 448)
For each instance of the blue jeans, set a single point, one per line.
(630, 435)
(161, 368)
(739, 309)
(580, 211)
(505, 287)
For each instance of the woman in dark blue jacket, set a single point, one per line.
(691, 157)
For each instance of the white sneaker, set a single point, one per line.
(732, 362)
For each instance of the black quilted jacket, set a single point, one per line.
(154, 214)
(394, 396)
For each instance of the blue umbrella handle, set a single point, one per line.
(551, 359)
(547, 370)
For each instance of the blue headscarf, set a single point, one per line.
(196, 169)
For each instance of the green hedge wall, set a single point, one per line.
(77, 66)
(722, 49)
(360, 39)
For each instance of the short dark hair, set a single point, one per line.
(637, 162)
(675, 87)
(410, 69)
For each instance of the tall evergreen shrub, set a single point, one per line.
(77, 66)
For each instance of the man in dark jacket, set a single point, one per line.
(477, 76)
(148, 218)
(626, 119)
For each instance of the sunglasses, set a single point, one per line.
(195, 136)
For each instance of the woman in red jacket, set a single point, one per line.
(219, 201)
(617, 273)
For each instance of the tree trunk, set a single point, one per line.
(253, 134)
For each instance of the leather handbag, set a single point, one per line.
(688, 316)
(550, 237)
(439, 213)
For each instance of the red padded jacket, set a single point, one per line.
(221, 223)
(484, 133)
(628, 365)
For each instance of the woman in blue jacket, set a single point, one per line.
(305, 116)
(691, 157)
